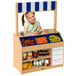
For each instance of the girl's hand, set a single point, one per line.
(37, 32)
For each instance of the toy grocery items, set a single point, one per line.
(24, 56)
(43, 52)
(29, 55)
(25, 66)
(39, 62)
(47, 61)
(45, 31)
(29, 65)
(43, 62)
(27, 42)
(54, 38)
(35, 54)
(41, 40)
(35, 63)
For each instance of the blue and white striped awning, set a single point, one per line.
(36, 6)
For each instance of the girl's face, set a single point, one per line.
(31, 17)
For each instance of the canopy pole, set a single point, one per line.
(17, 19)
(55, 18)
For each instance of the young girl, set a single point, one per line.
(31, 25)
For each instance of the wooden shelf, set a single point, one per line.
(37, 68)
(40, 68)
(33, 59)
(42, 46)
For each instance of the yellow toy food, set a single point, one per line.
(30, 65)
(54, 38)
(25, 66)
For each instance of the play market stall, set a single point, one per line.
(34, 52)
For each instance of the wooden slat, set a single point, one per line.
(41, 57)
(55, 18)
(16, 18)
(43, 46)
(17, 53)
(41, 68)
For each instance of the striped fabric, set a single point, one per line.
(36, 6)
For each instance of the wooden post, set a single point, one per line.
(55, 18)
(17, 19)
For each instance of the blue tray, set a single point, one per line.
(46, 35)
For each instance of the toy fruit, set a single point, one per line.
(27, 42)
(41, 40)
(25, 66)
(45, 31)
(54, 38)
(35, 54)
(23, 40)
(29, 65)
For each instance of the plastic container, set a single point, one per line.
(29, 55)
(24, 56)
(47, 61)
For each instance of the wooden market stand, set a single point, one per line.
(19, 49)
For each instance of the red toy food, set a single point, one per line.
(41, 40)
(35, 54)
(27, 42)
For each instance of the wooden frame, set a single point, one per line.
(17, 19)
(55, 18)
(18, 49)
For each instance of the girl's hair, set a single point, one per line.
(23, 21)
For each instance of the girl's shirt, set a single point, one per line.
(30, 27)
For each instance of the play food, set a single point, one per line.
(39, 63)
(25, 66)
(54, 38)
(27, 42)
(47, 61)
(35, 54)
(43, 62)
(43, 52)
(41, 40)
(29, 65)
(24, 56)
(29, 55)
(45, 31)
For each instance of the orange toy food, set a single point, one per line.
(46, 31)
(41, 40)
